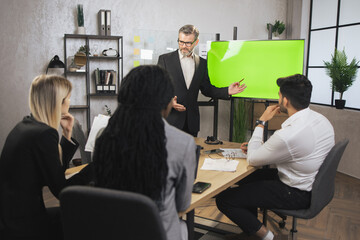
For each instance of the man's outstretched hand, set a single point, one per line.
(178, 107)
(236, 87)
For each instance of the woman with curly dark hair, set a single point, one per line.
(140, 152)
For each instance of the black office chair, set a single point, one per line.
(92, 213)
(322, 190)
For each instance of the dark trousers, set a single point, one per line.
(262, 189)
(186, 128)
(53, 229)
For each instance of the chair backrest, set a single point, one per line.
(96, 213)
(324, 184)
(79, 135)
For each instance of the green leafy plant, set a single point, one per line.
(341, 73)
(241, 120)
(80, 15)
(108, 110)
(84, 49)
(278, 28)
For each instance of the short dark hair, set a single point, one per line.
(189, 29)
(297, 89)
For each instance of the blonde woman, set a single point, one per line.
(33, 158)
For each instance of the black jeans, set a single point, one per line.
(53, 229)
(186, 128)
(262, 189)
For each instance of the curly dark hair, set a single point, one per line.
(131, 152)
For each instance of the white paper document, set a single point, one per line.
(220, 164)
(233, 152)
(99, 123)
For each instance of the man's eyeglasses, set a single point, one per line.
(188, 44)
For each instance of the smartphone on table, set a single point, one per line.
(200, 187)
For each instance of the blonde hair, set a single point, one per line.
(47, 93)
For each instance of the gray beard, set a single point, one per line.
(187, 54)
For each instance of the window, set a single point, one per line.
(333, 24)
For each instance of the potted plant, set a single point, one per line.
(80, 56)
(84, 49)
(276, 29)
(341, 73)
(241, 120)
(108, 110)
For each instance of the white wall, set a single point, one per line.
(32, 33)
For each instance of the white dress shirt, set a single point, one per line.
(297, 149)
(188, 67)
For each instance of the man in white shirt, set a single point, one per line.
(189, 74)
(297, 150)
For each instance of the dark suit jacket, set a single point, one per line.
(188, 97)
(29, 161)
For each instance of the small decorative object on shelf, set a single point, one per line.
(95, 50)
(80, 19)
(80, 59)
(110, 52)
(72, 67)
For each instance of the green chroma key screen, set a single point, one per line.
(259, 62)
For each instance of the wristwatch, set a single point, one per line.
(257, 122)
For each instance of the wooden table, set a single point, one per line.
(74, 169)
(220, 181)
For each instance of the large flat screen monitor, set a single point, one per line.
(259, 62)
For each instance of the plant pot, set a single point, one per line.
(81, 30)
(339, 104)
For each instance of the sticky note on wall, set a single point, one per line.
(136, 38)
(136, 63)
(136, 51)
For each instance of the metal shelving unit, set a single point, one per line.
(87, 73)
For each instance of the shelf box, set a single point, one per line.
(100, 88)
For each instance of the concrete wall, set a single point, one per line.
(32, 33)
(345, 123)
